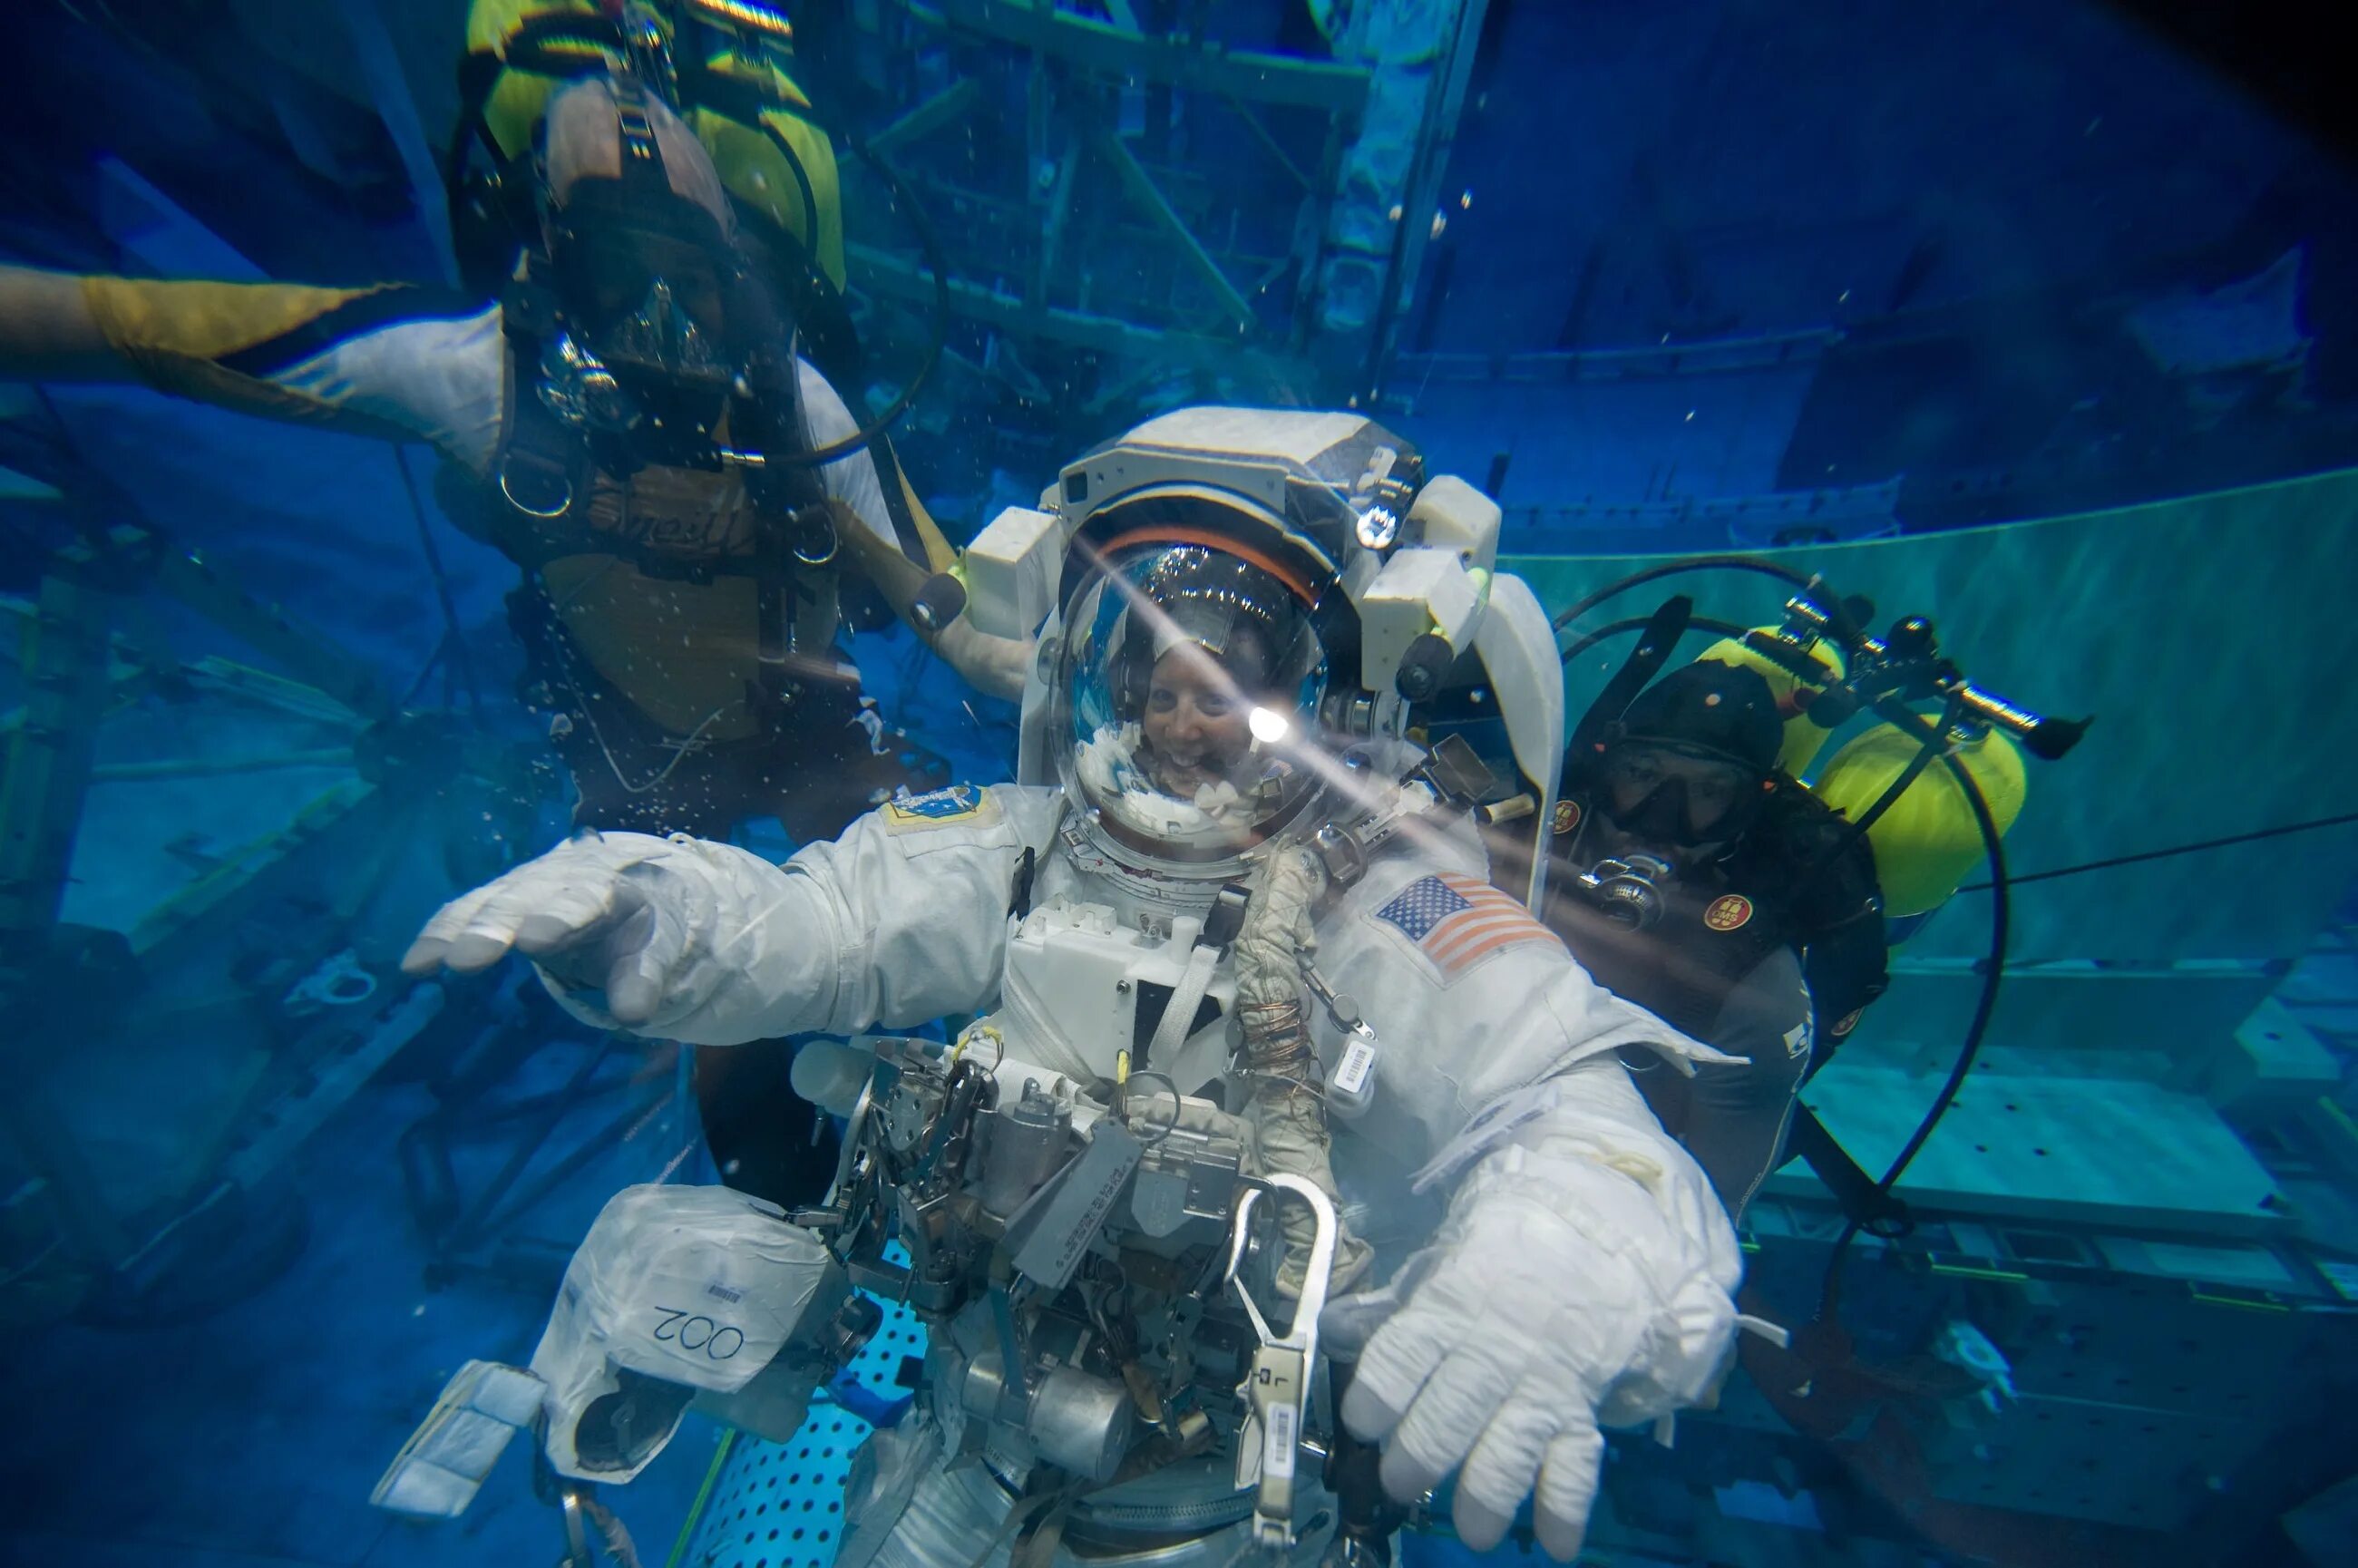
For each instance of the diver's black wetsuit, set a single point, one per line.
(1717, 968)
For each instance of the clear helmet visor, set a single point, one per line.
(1191, 680)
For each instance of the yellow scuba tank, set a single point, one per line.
(1928, 841)
(1803, 740)
(755, 171)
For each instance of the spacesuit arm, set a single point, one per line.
(1583, 1278)
(385, 361)
(900, 920)
(1584, 1271)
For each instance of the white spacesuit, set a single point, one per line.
(1248, 922)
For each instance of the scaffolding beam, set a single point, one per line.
(898, 278)
(943, 108)
(1108, 52)
(1148, 196)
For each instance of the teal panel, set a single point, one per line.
(2087, 1151)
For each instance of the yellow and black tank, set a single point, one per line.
(779, 167)
(1927, 842)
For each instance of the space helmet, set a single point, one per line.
(1239, 614)
(1190, 677)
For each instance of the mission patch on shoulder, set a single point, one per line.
(968, 803)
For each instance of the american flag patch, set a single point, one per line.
(1459, 920)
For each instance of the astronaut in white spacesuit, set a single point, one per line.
(1233, 913)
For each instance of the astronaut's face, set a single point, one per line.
(1196, 723)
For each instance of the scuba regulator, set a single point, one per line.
(1627, 892)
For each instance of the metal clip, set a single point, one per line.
(1277, 1388)
(1351, 1086)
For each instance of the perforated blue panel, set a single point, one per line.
(779, 1505)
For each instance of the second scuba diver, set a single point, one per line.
(630, 423)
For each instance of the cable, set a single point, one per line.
(703, 1496)
(930, 243)
(460, 660)
(1581, 607)
(2106, 864)
(1638, 624)
(1993, 969)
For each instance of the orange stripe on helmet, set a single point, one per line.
(1163, 534)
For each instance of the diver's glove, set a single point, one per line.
(627, 930)
(1582, 1277)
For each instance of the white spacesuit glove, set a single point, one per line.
(1582, 1277)
(626, 929)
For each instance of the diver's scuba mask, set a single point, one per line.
(650, 347)
(659, 322)
(1680, 796)
(648, 279)
(1684, 803)
(1673, 773)
(661, 344)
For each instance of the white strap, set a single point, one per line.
(1178, 1018)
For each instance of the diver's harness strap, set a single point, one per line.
(1225, 918)
(544, 470)
(896, 501)
(541, 469)
(1655, 644)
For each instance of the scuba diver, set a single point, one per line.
(1696, 876)
(1687, 880)
(632, 425)
(1253, 1027)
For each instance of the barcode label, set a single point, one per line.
(1277, 1450)
(1351, 1076)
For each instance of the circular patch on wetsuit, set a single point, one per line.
(1727, 912)
(1567, 816)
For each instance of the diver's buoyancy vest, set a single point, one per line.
(1682, 968)
(1775, 892)
(568, 507)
